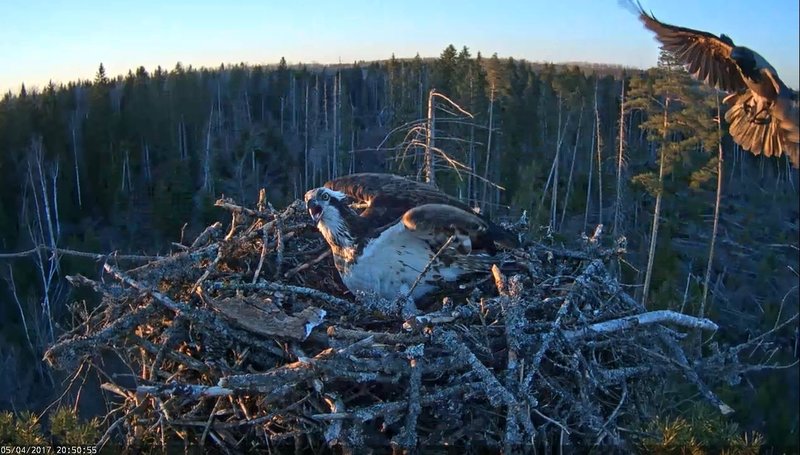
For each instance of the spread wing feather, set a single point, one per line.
(708, 57)
(446, 218)
(436, 223)
(772, 135)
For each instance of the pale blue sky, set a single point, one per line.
(65, 40)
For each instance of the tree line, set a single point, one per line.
(134, 162)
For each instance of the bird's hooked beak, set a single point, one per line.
(314, 210)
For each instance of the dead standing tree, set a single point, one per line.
(430, 134)
(421, 137)
(44, 228)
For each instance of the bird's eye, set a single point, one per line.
(325, 196)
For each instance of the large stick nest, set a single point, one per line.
(247, 340)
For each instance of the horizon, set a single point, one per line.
(150, 70)
(72, 40)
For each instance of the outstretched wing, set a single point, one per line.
(389, 197)
(707, 56)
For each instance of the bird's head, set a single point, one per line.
(331, 212)
(746, 59)
(739, 53)
(325, 205)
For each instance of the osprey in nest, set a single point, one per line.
(410, 240)
(763, 113)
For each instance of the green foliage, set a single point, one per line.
(648, 181)
(706, 173)
(23, 429)
(173, 199)
(702, 431)
(444, 70)
(65, 429)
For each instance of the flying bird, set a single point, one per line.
(763, 112)
(409, 241)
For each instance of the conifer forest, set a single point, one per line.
(132, 166)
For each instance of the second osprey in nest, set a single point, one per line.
(406, 226)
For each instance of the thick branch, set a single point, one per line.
(644, 319)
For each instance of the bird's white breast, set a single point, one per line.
(390, 263)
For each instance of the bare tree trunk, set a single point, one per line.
(471, 164)
(305, 145)
(620, 162)
(471, 176)
(126, 171)
(657, 211)
(599, 143)
(54, 184)
(207, 180)
(13, 288)
(146, 157)
(488, 150)
(247, 108)
(554, 172)
(219, 105)
(430, 142)
(45, 195)
(733, 165)
(335, 150)
(572, 167)
(75, 162)
(338, 106)
(352, 144)
(180, 141)
(552, 177)
(738, 151)
(263, 107)
(327, 127)
(48, 228)
(254, 166)
(283, 104)
(589, 185)
(184, 141)
(716, 212)
(420, 96)
(293, 96)
(253, 159)
(591, 165)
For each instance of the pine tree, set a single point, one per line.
(669, 98)
(100, 77)
(445, 70)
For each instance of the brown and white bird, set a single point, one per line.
(385, 249)
(763, 114)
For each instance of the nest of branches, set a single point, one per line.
(247, 340)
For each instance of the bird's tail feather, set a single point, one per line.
(759, 128)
